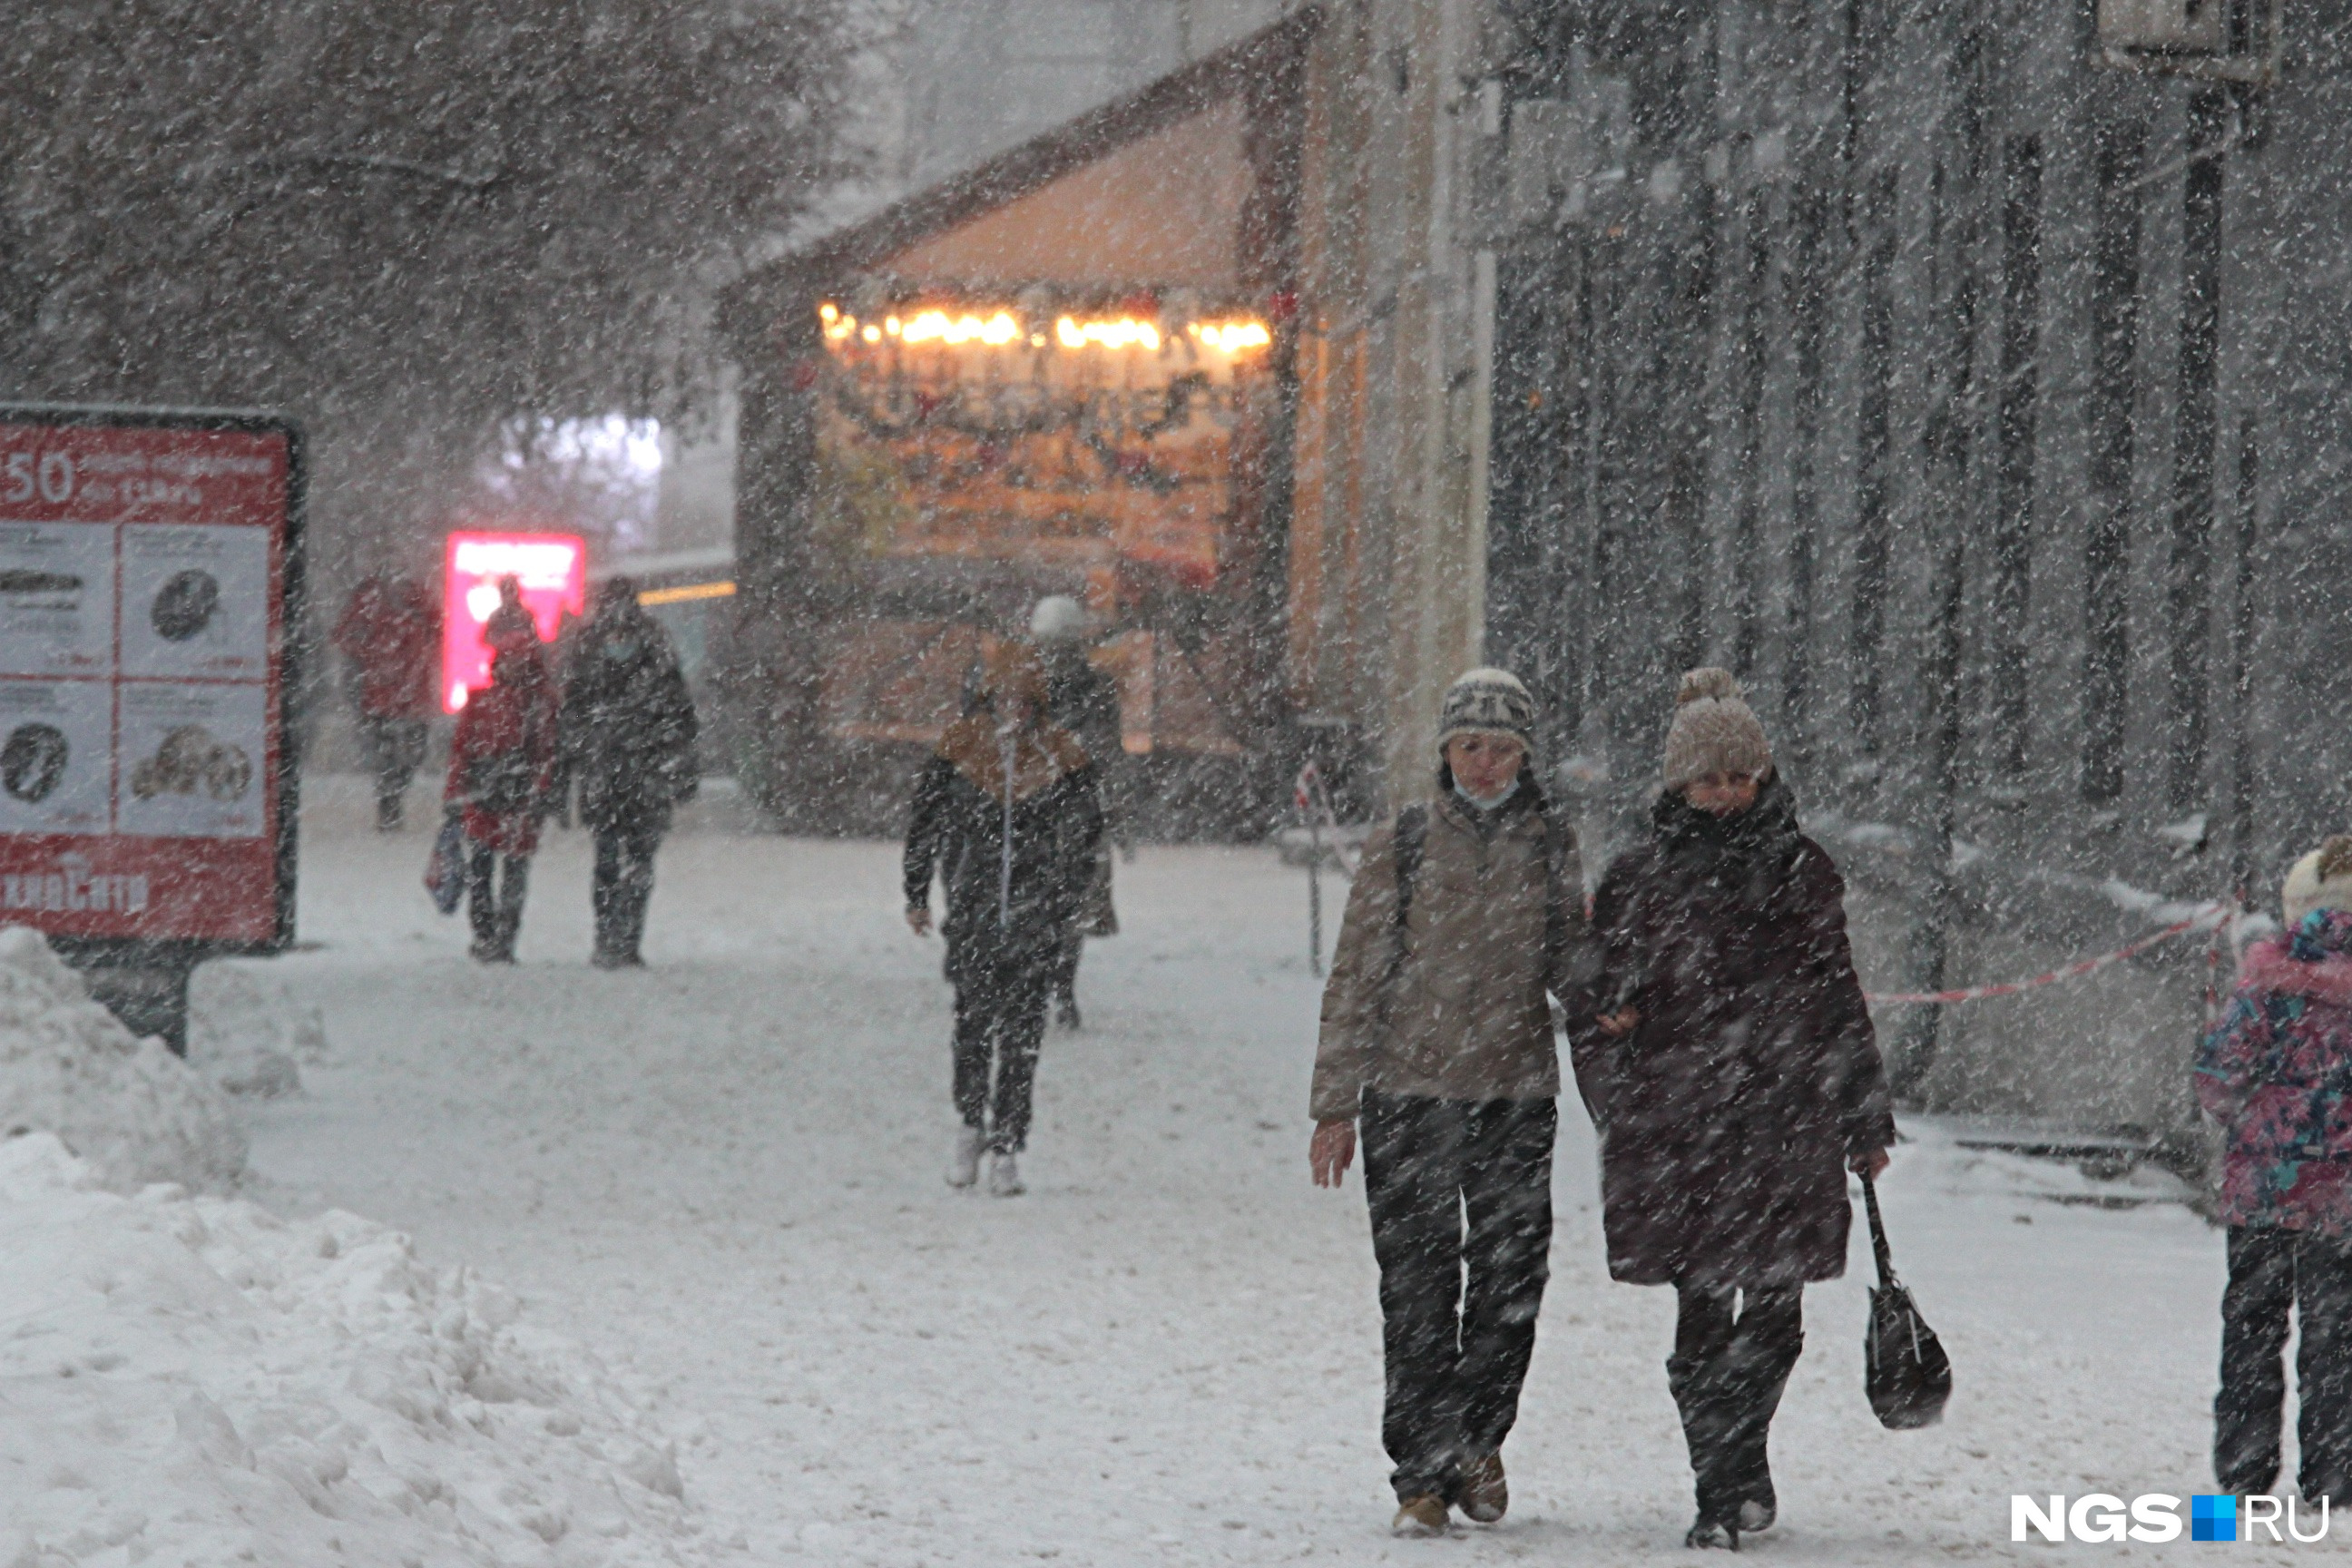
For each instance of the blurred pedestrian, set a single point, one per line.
(391, 633)
(511, 625)
(1084, 702)
(1007, 815)
(1729, 1060)
(2276, 1073)
(501, 765)
(1467, 916)
(627, 739)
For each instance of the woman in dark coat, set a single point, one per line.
(501, 765)
(1007, 814)
(1731, 1064)
(628, 732)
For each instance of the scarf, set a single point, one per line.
(1745, 853)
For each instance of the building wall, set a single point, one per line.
(1388, 552)
(1894, 357)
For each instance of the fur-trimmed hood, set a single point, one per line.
(1037, 757)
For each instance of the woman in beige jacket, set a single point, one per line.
(1437, 1049)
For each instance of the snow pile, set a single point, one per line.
(128, 1105)
(247, 1034)
(192, 1380)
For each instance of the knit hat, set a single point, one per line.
(1714, 731)
(1487, 702)
(1058, 619)
(2320, 881)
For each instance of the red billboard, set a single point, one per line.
(551, 569)
(148, 564)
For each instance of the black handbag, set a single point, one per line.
(1906, 1372)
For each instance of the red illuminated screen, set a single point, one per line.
(142, 582)
(552, 570)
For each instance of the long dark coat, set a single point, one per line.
(1006, 911)
(628, 727)
(1729, 1111)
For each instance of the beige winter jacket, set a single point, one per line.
(1460, 1013)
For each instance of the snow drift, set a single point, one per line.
(246, 1035)
(128, 1105)
(190, 1379)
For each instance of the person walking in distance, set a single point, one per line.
(391, 633)
(1727, 1059)
(627, 739)
(1007, 815)
(2276, 1073)
(1436, 1051)
(1084, 701)
(501, 765)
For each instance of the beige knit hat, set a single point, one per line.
(1488, 701)
(2320, 881)
(1714, 731)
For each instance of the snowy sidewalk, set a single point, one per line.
(723, 1174)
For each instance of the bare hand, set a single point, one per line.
(1616, 1025)
(918, 920)
(1873, 1164)
(1332, 1151)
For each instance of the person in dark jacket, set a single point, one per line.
(1729, 1058)
(501, 765)
(627, 735)
(1007, 816)
(392, 635)
(1084, 701)
(511, 625)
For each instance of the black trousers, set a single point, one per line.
(394, 747)
(1460, 1192)
(2273, 1272)
(622, 887)
(1733, 1352)
(494, 904)
(1000, 1019)
(1065, 967)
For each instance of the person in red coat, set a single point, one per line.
(501, 767)
(392, 634)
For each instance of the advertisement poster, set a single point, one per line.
(195, 603)
(146, 565)
(56, 757)
(56, 599)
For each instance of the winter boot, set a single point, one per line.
(963, 1166)
(1485, 1497)
(1709, 1406)
(1754, 1376)
(1005, 1176)
(1420, 1516)
(1718, 1533)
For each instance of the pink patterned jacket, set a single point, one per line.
(2277, 1074)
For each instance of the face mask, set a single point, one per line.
(1487, 803)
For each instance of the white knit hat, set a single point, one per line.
(1058, 618)
(1714, 731)
(2320, 881)
(1488, 701)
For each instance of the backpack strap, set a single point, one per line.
(1412, 839)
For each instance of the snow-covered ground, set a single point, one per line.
(722, 1175)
